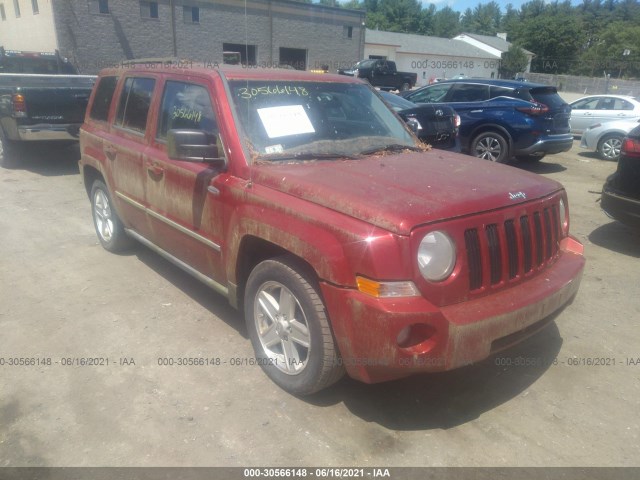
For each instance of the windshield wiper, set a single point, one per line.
(307, 156)
(394, 147)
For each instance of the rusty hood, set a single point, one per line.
(400, 192)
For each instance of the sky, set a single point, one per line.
(462, 5)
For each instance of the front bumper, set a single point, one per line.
(366, 328)
(549, 144)
(624, 209)
(48, 132)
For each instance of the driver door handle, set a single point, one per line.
(110, 151)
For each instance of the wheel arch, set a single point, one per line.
(89, 175)
(253, 250)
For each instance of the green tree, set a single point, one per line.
(483, 20)
(446, 23)
(513, 61)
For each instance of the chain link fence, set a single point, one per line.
(587, 85)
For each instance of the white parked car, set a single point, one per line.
(606, 138)
(602, 108)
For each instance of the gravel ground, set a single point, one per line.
(63, 297)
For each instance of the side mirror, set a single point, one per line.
(195, 146)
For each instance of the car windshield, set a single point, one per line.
(307, 120)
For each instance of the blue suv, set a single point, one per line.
(502, 119)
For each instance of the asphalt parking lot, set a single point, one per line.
(569, 396)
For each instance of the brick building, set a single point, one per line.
(98, 33)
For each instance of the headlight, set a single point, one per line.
(414, 124)
(436, 256)
(564, 218)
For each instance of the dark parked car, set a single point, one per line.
(382, 74)
(434, 124)
(502, 119)
(621, 192)
(42, 98)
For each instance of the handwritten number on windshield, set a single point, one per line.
(251, 93)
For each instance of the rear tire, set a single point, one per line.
(490, 146)
(609, 147)
(8, 152)
(405, 86)
(108, 225)
(289, 328)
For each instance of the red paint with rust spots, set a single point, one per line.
(347, 218)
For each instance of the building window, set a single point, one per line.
(3, 15)
(16, 7)
(149, 9)
(34, 6)
(231, 50)
(99, 6)
(348, 32)
(191, 14)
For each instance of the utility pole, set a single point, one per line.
(174, 41)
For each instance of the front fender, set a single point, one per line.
(337, 247)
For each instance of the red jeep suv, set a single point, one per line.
(307, 202)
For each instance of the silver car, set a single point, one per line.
(606, 138)
(602, 108)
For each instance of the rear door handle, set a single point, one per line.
(155, 169)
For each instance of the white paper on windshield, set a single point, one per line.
(285, 120)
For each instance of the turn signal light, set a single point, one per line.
(386, 289)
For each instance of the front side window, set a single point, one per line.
(135, 100)
(102, 99)
(310, 120)
(587, 104)
(435, 93)
(186, 106)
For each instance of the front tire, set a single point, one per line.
(289, 329)
(529, 158)
(405, 86)
(109, 227)
(490, 146)
(609, 147)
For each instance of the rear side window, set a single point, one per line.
(470, 92)
(186, 106)
(134, 104)
(547, 96)
(102, 98)
(501, 92)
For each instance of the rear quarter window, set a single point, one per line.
(102, 98)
